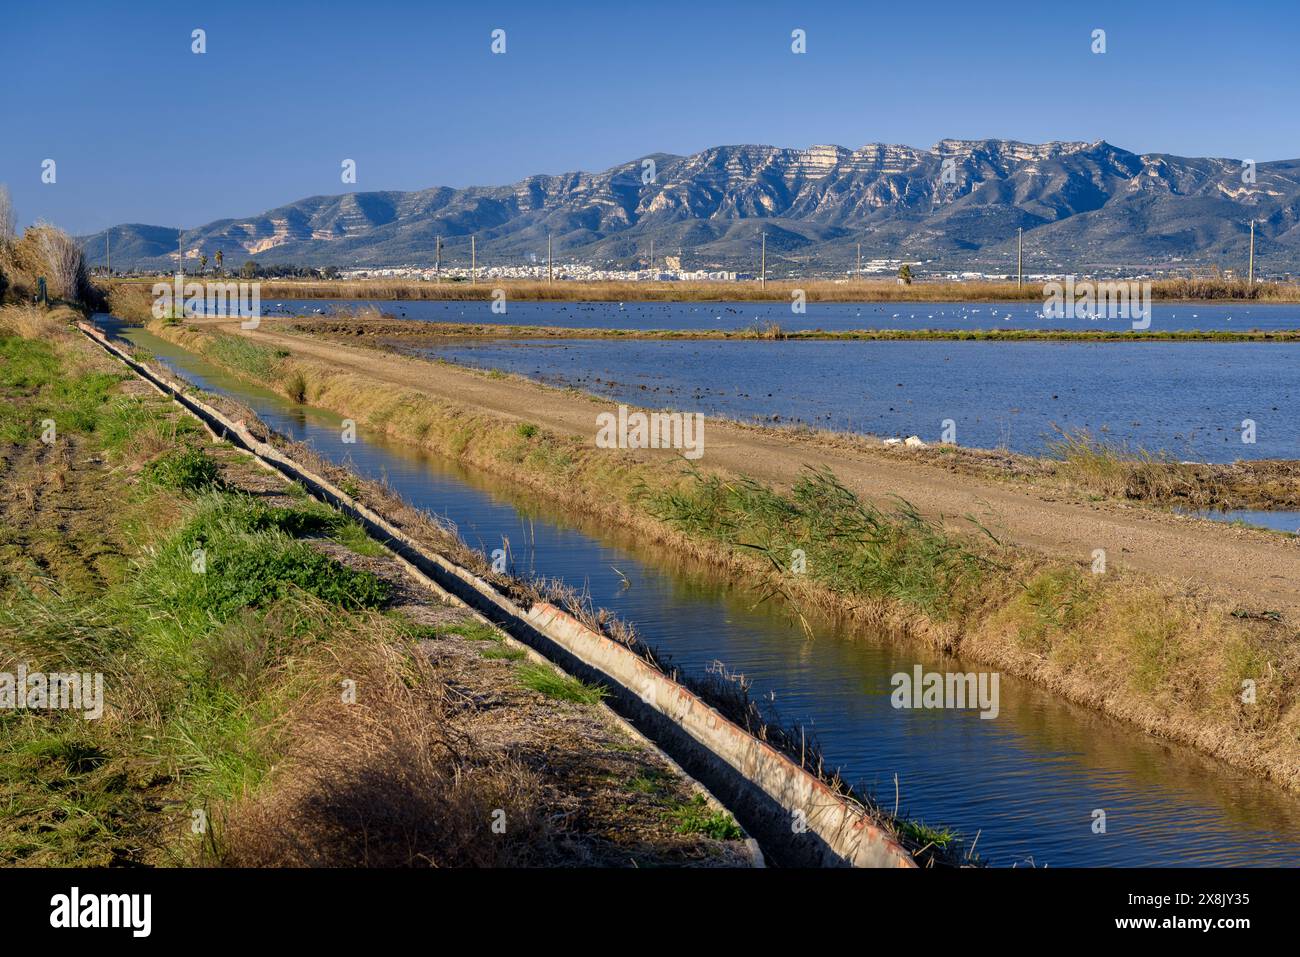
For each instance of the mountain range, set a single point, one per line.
(958, 204)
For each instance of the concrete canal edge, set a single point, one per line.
(796, 818)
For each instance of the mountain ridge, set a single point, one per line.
(957, 204)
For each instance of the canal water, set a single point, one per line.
(1029, 782)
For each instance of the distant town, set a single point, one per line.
(673, 271)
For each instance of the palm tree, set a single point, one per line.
(905, 274)
(219, 258)
(203, 263)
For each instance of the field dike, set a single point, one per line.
(370, 322)
(1181, 662)
(763, 788)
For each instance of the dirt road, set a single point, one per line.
(1257, 570)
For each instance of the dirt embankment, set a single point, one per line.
(1182, 617)
(1083, 466)
(1259, 570)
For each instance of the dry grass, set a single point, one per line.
(129, 300)
(46, 251)
(1117, 472)
(1094, 469)
(393, 780)
(32, 322)
(1173, 663)
(1083, 463)
(817, 290)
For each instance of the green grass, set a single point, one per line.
(648, 784)
(850, 546)
(185, 470)
(1116, 471)
(251, 559)
(225, 627)
(496, 650)
(246, 356)
(697, 817)
(31, 369)
(197, 666)
(54, 771)
(474, 631)
(543, 678)
(85, 404)
(918, 834)
(123, 420)
(350, 533)
(27, 364)
(1153, 652)
(1055, 600)
(194, 657)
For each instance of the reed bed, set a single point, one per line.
(816, 290)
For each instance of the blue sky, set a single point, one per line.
(143, 130)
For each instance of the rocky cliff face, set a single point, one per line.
(958, 203)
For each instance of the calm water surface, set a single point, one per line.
(1027, 781)
(825, 316)
(1280, 521)
(1184, 398)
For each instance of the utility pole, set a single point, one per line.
(1020, 275)
(1251, 274)
(437, 258)
(858, 273)
(180, 252)
(473, 262)
(550, 268)
(108, 253)
(762, 272)
(652, 254)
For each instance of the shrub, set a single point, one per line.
(296, 387)
(186, 470)
(246, 557)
